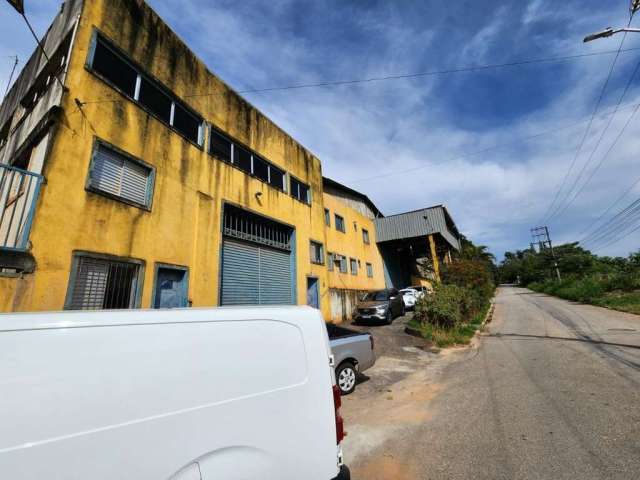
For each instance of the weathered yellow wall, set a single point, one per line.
(183, 227)
(351, 245)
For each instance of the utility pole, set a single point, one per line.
(541, 237)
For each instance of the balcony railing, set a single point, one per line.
(19, 191)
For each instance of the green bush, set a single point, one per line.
(472, 275)
(443, 308)
(622, 281)
(586, 289)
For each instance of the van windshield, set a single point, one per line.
(381, 295)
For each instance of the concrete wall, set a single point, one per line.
(343, 303)
(183, 226)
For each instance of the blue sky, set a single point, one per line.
(426, 124)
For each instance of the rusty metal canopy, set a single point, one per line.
(418, 223)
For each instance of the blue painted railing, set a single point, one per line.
(19, 190)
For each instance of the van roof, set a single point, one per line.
(107, 318)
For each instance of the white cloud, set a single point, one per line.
(365, 130)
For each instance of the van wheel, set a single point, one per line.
(346, 378)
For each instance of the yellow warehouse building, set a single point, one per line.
(133, 177)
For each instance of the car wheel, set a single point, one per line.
(403, 310)
(346, 378)
(389, 317)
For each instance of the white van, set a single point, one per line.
(189, 394)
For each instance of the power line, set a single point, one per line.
(610, 207)
(485, 150)
(621, 232)
(13, 70)
(40, 46)
(613, 223)
(619, 238)
(602, 160)
(617, 223)
(425, 74)
(586, 133)
(595, 148)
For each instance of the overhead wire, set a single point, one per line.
(616, 240)
(614, 225)
(551, 209)
(597, 145)
(471, 68)
(13, 71)
(610, 207)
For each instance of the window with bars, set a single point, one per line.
(317, 252)
(339, 221)
(99, 282)
(249, 226)
(122, 73)
(120, 176)
(369, 270)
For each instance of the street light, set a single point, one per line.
(610, 31)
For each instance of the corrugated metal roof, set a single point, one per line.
(418, 223)
(328, 184)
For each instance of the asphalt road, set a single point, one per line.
(551, 390)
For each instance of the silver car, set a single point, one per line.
(380, 305)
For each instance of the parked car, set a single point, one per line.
(186, 394)
(353, 354)
(409, 297)
(383, 305)
(421, 290)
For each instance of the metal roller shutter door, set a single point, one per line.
(253, 274)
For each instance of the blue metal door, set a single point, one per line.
(171, 288)
(313, 295)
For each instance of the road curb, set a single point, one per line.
(489, 316)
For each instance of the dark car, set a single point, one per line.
(382, 305)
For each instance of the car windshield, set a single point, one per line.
(381, 295)
(407, 291)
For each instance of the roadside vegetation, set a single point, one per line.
(457, 307)
(612, 282)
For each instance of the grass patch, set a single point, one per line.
(600, 291)
(623, 301)
(460, 334)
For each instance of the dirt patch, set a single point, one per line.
(387, 468)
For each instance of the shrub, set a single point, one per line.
(472, 275)
(443, 308)
(622, 281)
